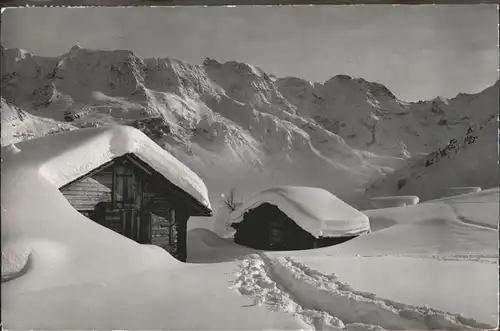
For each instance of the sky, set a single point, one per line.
(418, 52)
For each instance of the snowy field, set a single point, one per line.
(414, 141)
(428, 266)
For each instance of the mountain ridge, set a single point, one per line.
(470, 160)
(210, 61)
(234, 119)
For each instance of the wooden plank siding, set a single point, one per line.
(87, 193)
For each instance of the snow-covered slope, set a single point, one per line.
(220, 119)
(369, 117)
(232, 120)
(206, 246)
(470, 160)
(18, 125)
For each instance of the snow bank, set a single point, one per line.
(432, 229)
(487, 195)
(481, 208)
(16, 261)
(156, 248)
(195, 297)
(205, 246)
(462, 190)
(64, 157)
(315, 210)
(394, 201)
(222, 220)
(63, 246)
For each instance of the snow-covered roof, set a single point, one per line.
(394, 201)
(64, 157)
(315, 210)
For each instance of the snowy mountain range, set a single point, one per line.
(232, 123)
(471, 160)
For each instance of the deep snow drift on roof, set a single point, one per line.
(64, 157)
(315, 210)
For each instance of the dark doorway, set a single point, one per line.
(164, 232)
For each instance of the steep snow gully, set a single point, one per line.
(322, 302)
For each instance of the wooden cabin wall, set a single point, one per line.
(158, 202)
(84, 195)
(133, 219)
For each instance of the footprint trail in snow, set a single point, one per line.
(322, 302)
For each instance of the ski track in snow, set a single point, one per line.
(322, 302)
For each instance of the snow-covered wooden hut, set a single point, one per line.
(121, 179)
(294, 218)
